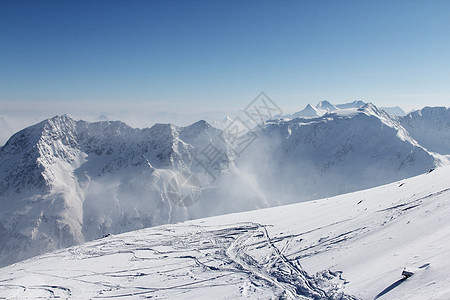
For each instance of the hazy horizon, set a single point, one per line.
(188, 58)
(16, 116)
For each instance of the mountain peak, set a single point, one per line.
(202, 124)
(371, 109)
(308, 111)
(195, 129)
(60, 119)
(353, 104)
(326, 106)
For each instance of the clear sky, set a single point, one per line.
(186, 56)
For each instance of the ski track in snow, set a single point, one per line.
(172, 263)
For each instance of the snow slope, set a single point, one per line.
(351, 246)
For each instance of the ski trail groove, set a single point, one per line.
(294, 283)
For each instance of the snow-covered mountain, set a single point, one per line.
(340, 152)
(326, 106)
(222, 123)
(353, 104)
(353, 246)
(64, 182)
(308, 111)
(430, 127)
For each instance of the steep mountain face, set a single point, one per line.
(344, 151)
(430, 127)
(38, 196)
(63, 182)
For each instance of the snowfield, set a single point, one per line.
(346, 247)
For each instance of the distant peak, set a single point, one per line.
(435, 108)
(308, 111)
(198, 126)
(326, 105)
(324, 102)
(103, 117)
(359, 102)
(201, 123)
(429, 110)
(353, 104)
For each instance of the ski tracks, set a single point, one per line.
(239, 259)
(270, 265)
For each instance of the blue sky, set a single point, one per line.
(186, 56)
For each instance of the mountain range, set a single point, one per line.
(64, 182)
(325, 106)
